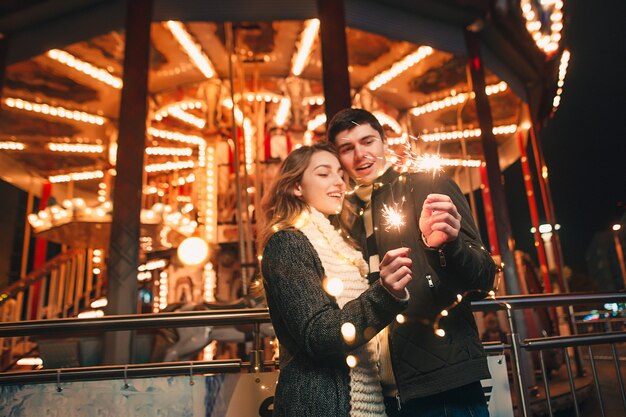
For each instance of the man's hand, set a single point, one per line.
(395, 271)
(439, 222)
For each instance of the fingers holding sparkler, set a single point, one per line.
(439, 221)
(395, 271)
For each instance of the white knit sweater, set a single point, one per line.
(342, 261)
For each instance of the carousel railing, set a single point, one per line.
(234, 317)
(60, 288)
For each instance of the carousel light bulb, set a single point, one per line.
(99, 303)
(400, 318)
(193, 251)
(440, 332)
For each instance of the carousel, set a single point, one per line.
(230, 93)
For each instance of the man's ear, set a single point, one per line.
(297, 190)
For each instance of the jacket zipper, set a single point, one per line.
(429, 278)
(442, 257)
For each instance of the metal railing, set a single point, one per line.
(517, 346)
(234, 317)
(261, 315)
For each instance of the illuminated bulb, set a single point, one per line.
(440, 332)
(400, 318)
(30, 362)
(351, 361)
(90, 314)
(444, 313)
(349, 332)
(198, 57)
(99, 303)
(193, 251)
(311, 28)
(459, 297)
(333, 286)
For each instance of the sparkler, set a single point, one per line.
(410, 161)
(393, 217)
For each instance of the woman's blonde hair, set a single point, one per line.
(280, 207)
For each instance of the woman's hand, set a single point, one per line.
(395, 271)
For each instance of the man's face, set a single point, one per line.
(362, 153)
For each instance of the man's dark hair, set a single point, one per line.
(347, 119)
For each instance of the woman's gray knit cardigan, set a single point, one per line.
(314, 378)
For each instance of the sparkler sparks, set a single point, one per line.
(410, 161)
(429, 163)
(393, 217)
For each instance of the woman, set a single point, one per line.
(328, 343)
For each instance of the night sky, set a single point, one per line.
(585, 142)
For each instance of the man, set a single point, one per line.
(423, 374)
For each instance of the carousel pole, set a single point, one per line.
(335, 74)
(534, 216)
(41, 246)
(127, 193)
(230, 46)
(494, 249)
(468, 174)
(494, 174)
(546, 195)
(506, 243)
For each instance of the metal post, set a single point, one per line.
(256, 354)
(490, 149)
(230, 46)
(334, 56)
(520, 380)
(127, 194)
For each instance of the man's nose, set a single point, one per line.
(359, 152)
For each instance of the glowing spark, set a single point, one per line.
(429, 163)
(392, 217)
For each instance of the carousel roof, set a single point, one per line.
(62, 84)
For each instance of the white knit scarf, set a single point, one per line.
(342, 261)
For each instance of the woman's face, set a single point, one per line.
(322, 186)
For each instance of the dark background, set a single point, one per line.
(584, 141)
